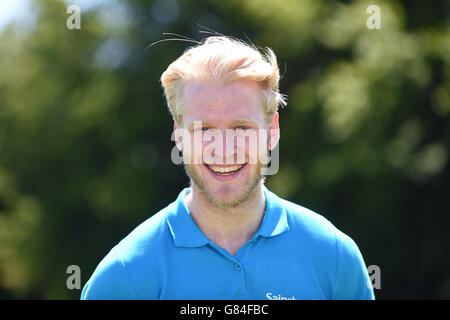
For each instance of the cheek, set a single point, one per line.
(253, 145)
(192, 148)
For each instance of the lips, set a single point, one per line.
(225, 170)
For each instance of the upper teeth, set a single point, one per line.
(225, 169)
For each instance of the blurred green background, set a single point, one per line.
(85, 132)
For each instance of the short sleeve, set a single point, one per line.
(352, 278)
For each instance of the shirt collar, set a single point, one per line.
(275, 219)
(184, 230)
(186, 233)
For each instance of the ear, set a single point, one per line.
(274, 131)
(178, 136)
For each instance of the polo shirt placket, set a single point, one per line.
(186, 233)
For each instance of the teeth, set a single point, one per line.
(229, 169)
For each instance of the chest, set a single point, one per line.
(272, 275)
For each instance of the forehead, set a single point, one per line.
(207, 101)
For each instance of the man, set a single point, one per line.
(227, 236)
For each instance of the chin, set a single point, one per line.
(229, 200)
(225, 194)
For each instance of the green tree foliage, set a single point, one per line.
(85, 133)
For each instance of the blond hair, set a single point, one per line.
(223, 60)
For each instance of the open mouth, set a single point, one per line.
(225, 171)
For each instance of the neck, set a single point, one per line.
(228, 227)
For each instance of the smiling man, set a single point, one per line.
(227, 236)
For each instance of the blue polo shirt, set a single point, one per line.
(295, 254)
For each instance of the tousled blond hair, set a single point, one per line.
(223, 60)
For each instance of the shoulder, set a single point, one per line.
(119, 274)
(329, 245)
(110, 280)
(305, 222)
(145, 237)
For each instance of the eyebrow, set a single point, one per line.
(233, 122)
(244, 121)
(204, 123)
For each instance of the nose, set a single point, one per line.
(221, 148)
(226, 151)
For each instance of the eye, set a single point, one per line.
(241, 128)
(205, 128)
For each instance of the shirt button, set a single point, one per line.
(237, 267)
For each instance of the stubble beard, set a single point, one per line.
(196, 180)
